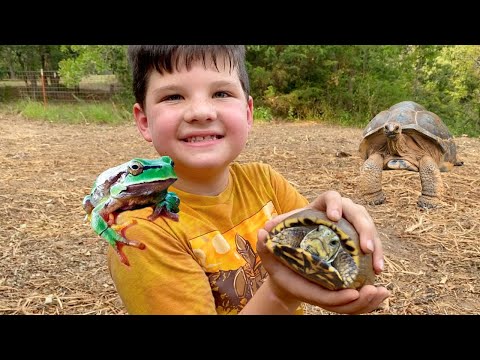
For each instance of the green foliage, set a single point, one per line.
(349, 84)
(7, 93)
(299, 104)
(87, 60)
(20, 58)
(451, 88)
(262, 114)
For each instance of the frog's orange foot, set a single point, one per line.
(109, 218)
(119, 246)
(122, 228)
(133, 243)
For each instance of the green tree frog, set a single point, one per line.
(134, 184)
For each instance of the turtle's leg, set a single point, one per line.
(432, 184)
(346, 267)
(292, 236)
(370, 183)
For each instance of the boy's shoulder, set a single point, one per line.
(256, 172)
(254, 168)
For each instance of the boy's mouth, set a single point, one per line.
(195, 139)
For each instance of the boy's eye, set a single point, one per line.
(172, 97)
(221, 94)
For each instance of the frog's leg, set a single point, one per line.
(114, 238)
(168, 207)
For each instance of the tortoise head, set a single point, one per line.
(322, 242)
(392, 129)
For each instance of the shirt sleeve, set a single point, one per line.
(287, 196)
(160, 274)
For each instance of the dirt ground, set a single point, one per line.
(51, 261)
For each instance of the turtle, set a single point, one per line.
(406, 137)
(323, 251)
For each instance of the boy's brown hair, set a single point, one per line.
(144, 59)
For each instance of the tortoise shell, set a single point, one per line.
(412, 117)
(323, 251)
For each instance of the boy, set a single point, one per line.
(193, 104)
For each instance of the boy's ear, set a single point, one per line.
(142, 122)
(250, 112)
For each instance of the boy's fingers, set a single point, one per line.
(330, 202)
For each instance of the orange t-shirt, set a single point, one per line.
(206, 263)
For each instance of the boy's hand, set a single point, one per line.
(289, 286)
(337, 206)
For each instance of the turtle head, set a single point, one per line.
(392, 129)
(322, 242)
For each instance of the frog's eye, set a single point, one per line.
(172, 163)
(135, 168)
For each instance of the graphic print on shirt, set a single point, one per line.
(231, 262)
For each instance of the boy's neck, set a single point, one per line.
(207, 184)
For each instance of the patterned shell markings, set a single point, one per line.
(413, 116)
(351, 268)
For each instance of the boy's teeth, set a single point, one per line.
(201, 138)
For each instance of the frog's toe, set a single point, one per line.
(136, 244)
(118, 248)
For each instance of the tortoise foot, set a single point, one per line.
(428, 202)
(375, 199)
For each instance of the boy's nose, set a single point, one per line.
(200, 110)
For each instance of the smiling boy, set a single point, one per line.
(193, 104)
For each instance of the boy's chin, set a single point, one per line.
(211, 163)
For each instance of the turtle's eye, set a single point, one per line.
(333, 243)
(135, 168)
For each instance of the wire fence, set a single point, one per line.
(47, 86)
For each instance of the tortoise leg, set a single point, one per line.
(347, 269)
(370, 183)
(432, 184)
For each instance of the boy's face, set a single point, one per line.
(200, 117)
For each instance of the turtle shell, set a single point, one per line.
(347, 268)
(414, 118)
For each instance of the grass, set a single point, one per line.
(75, 113)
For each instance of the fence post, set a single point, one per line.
(43, 88)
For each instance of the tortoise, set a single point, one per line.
(406, 137)
(323, 251)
